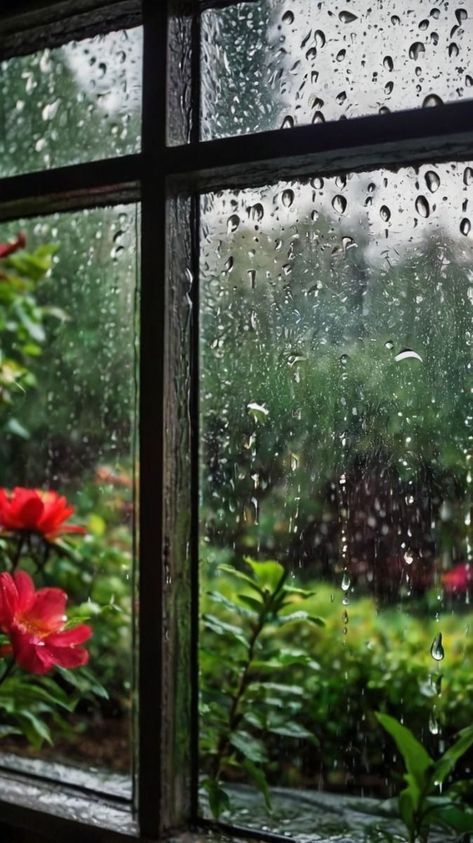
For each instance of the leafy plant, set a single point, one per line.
(251, 698)
(423, 803)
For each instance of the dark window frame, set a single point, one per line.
(167, 181)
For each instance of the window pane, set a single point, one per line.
(335, 458)
(77, 103)
(281, 63)
(68, 322)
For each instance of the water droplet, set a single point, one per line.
(453, 50)
(416, 49)
(468, 176)
(469, 81)
(422, 206)
(345, 617)
(252, 277)
(317, 183)
(288, 122)
(232, 223)
(385, 213)
(432, 100)
(318, 117)
(424, 24)
(465, 226)
(344, 359)
(436, 651)
(395, 20)
(346, 581)
(339, 204)
(287, 198)
(408, 557)
(389, 345)
(256, 212)
(433, 725)
(347, 17)
(432, 181)
(435, 13)
(229, 264)
(388, 63)
(288, 17)
(388, 88)
(461, 15)
(319, 38)
(348, 243)
(341, 55)
(408, 354)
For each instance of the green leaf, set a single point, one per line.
(229, 604)
(417, 760)
(219, 799)
(268, 575)
(298, 617)
(253, 602)
(222, 628)
(447, 762)
(14, 426)
(294, 730)
(239, 575)
(406, 808)
(259, 780)
(454, 817)
(249, 746)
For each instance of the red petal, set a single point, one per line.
(69, 657)
(26, 591)
(30, 655)
(47, 611)
(27, 508)
(8, 601)
(70, 637)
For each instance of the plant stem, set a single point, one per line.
(234, 714)
(16, 557)
(8, 670)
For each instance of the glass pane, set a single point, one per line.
(76, 103)
(68, 386)
(282, 63)
(335, 421)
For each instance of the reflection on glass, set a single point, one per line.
(282, 63)
(336, 489)
(68, 290)
(71, 104)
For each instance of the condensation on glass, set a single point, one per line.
(68, 105)
(283, 63)
(336, 437)
(68, 416)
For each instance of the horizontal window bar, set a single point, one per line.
(362, 143)
(62, 813)
(111, 786)
(221, 4)
(434, 134)
(33, 26)
(71, 188)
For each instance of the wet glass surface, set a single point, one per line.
(283, 63)
(72, 104)
(336, 419)
(68, 415)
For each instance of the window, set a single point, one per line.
(252, 382)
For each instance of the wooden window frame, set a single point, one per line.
(167, 180)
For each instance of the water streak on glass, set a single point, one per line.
(68, 415)
(284, 63)
(336, 441)
(72, 104)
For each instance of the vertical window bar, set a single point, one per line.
(150, 574)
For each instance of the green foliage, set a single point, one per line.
(22, 327)
(423, 802)
(329, 683)
(247, 697)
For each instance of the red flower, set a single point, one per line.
(34, 622)
(8, 248)
(32, 510)
(459, 578)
